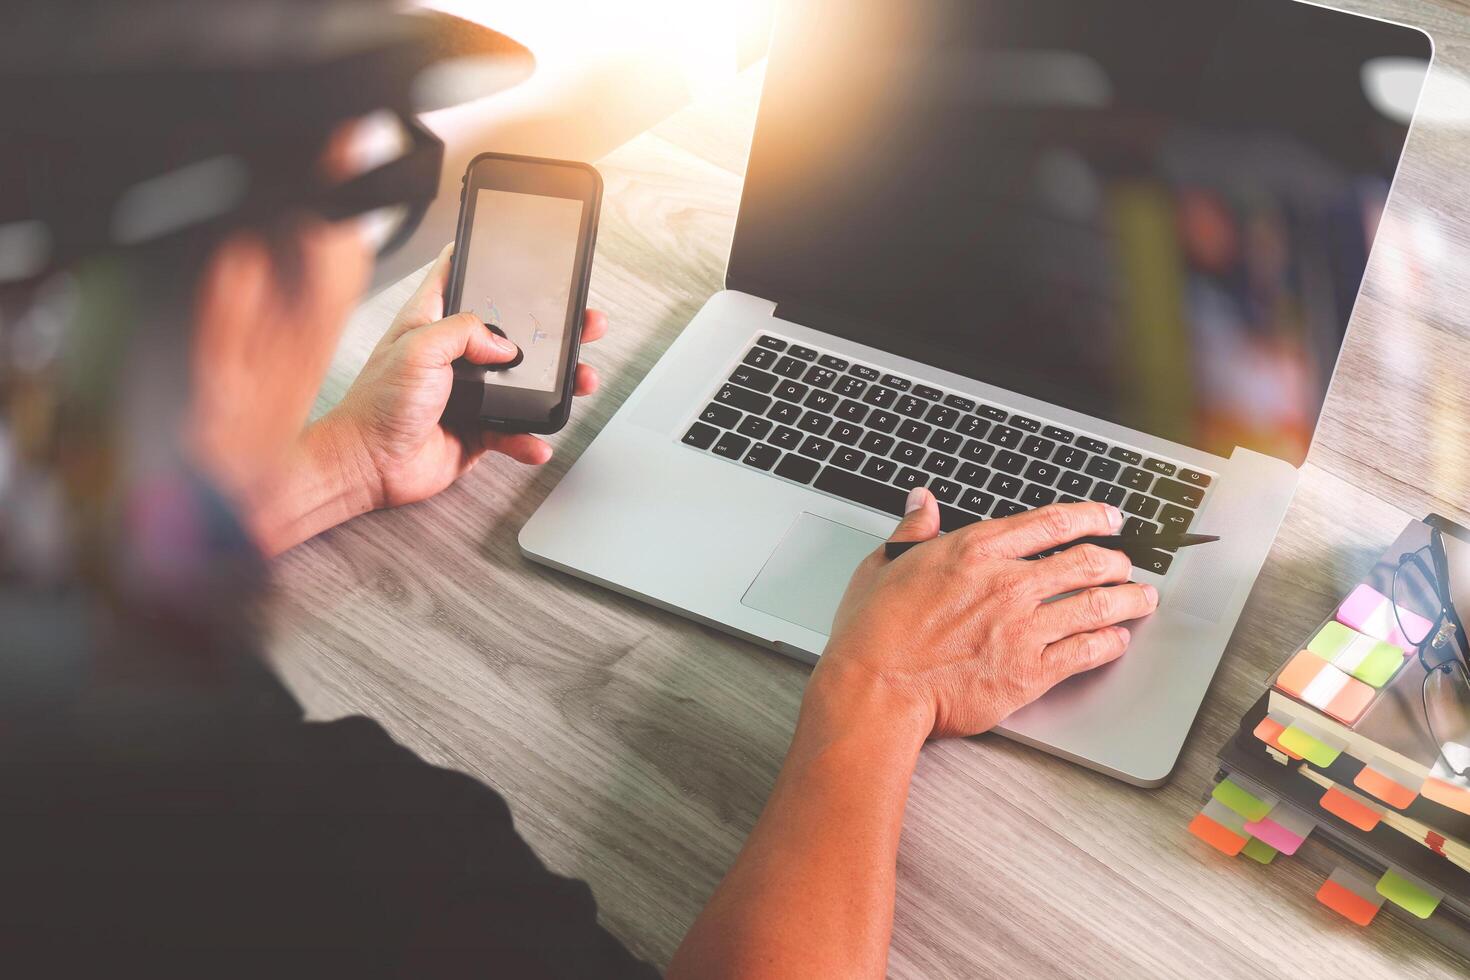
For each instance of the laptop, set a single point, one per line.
(1019, 252)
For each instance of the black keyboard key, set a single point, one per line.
(790, 391)
(1007, 508)
(960, 402)
(1108, 493)
(910, 406)
(1009, 462)
(731, 446)
(1126, 455)
(973, 426)
(786, 437)
(852, 411)
(1021, 422)
(815, 423)
(850, 387)
(941, 464)
(1142, 505)
(880, 469)
(850, 486)
(977, 500)
(805, 353)
(883, 421)
(1037, 496)
(864, 372)
(798, 468)
(755, 427)
(913, 431)
(1194, 477)
(773, 343)
(817, 448)
(1043, 473)
(1006, 486)
(1074, 483)
(945, 491)
(1155, 561)
(722, 415)
(941, 416)
(785, 413)
(1135, 479)
(1102, 468)
(880, 396)
(1059, 435)
(789, 367)
(761, 456)
(894, 381)
(821, 401)
(845, 433)
(908, 454)
(952, 518)
(876, 442)
(835, 363)
(760, 357)
(908, 478)
(820, 377)
(1067, 498)
(977, 452)
(1159, 466)
(848, 458)
(948, 442)
(924, 391)
(1135, 526)
(701, 436)
(1091, 445)
(1178, 493)
(743, 399)
(972, 475)
(1175, 518)
(1037, 446)
(1003, 435)
(1071, 457)
(993, 414)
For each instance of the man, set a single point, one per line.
(183, 238)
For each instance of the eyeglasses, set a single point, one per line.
(398, 193)
(1422, 581)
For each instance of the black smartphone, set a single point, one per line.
(522, 261)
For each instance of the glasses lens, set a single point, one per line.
(1447, 709)
(383, 229)
(1414, 590)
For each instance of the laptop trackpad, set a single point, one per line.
(803, 580)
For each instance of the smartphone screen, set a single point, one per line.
(519, 275)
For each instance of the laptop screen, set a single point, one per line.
(1157, 212)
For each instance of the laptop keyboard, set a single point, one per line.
(870, 437)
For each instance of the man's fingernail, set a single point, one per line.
(915, 501)
(1123, 633)
(1151, 593)
(504, 343)
(1115, 517)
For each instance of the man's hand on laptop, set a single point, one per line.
(959, 633)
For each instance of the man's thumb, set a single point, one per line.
(921, 517)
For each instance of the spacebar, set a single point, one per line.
(861, 490)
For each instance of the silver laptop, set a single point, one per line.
(1017, 251)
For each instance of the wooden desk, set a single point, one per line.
(637, 748)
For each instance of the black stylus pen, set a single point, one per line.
(1129, 544)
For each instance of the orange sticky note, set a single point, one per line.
(1351, 906)
(1269, 731)
(1350, 703)
(1221, 838)
(1379, 786)
(1300, 672)
(1446, 794)
(1339, 804)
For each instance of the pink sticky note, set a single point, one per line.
(1279, 837)
(1370, 612)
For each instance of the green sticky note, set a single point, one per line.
(1259, 850)
(1379, 665)
(1331, 640)
(1304, 745)
(1240, 801)
(1407, 895)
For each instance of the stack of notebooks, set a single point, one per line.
(1338, 749)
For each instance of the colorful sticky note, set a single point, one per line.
(1269, 731)
(1221, 838)
(1369, 611)
(1317, 752)
(1259, 850)
(1351, 896)
(1284, 829)
(1446, 794)
(1370, 660)
(1299, 673)
(1311, 679)
(1359, 814)
(1409, 895)
(1384, 787)
(1236, 798)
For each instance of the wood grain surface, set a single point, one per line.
(637, 748)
